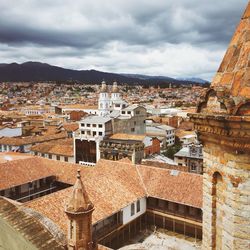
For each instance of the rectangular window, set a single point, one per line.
(42, 154)
(193, 167)
(100, 133)
(94, 125)
(82, 124)
(132, 129)
(50, 156)
(66, 158)
(58, 157)
(123, 112)
(100, 126)
(137, 112)
(138, 206)
(129, 112)
(94, 133)
(88, 125)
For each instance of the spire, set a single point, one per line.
(79, 200)
(233, 75)
(79, 212)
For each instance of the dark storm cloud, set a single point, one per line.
(91, 28)
(194, 22)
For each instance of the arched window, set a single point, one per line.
(217, 210)
(71, 229)
(132, 209)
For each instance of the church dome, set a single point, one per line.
(230, 88)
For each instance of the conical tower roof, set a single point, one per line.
(79, 200)
(233, 75)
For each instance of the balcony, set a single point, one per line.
(178, 210)
(107, 226)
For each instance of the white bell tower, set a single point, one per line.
(115, 95)
(104, 101)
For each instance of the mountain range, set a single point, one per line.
(36, 71)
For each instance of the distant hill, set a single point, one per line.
(146, 77)
(193, 79)
(36, 71)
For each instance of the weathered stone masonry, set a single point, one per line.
(223, 125)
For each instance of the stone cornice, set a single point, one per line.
(224, 130)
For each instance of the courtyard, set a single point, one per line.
(162, 240)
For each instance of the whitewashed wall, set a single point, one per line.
(127, 211)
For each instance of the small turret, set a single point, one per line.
(79, 212)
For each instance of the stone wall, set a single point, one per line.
(226, 216)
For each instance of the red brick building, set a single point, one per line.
(154, 148)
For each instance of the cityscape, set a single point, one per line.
(148, 151)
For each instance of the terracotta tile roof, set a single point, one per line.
(10, 156)
(78, 106)
(233, 73)
(31, 227)
(70, 126)
(126, 160)
(18, 141)
(121, 136)
(18, 172)
(115, 186)
(185, 188)
(111, 185)
(58, 147)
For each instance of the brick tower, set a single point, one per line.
(223, 124)
(79, 212)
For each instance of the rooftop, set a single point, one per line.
(63, 147)
(110, 185)
(31, 227)
(233, 73)
(77, 106)
(18, 141)
(133, 137)
(95, 119)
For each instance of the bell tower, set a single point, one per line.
(223, 125)
(104, 101)
(115, 95)
(79, 212)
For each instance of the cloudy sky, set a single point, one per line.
(176, 38)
